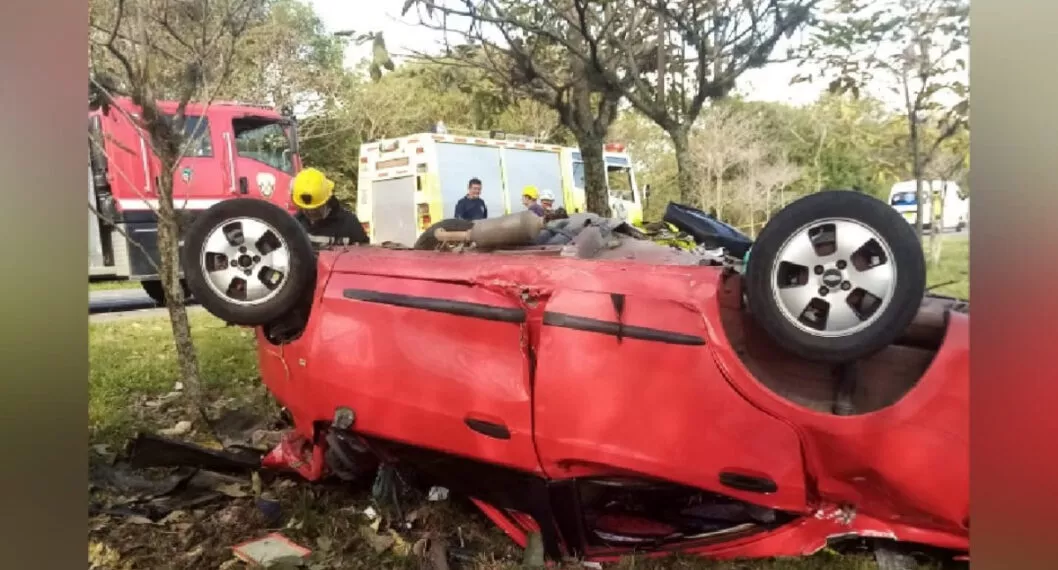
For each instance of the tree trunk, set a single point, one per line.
(767, 205)
(935, 243)
(919, 207)
(917, 170)
(596, 191)
(719, 173)
(752, 183)
(684, 167)
(936, 215)
(169, 254)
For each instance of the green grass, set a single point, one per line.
(112, 285)
(130, 360)
(954, 267)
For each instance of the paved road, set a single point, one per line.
(113, 300)
(118, 300)
(135, 314)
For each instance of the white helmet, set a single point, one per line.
(547, 195)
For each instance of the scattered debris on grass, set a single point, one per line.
(271, 551)
(149, 515)
(182, 427)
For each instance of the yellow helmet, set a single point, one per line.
(311, 189)
(531, 192)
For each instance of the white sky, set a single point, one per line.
(771, 83)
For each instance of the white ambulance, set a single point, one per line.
(954, 209)
(407, 183)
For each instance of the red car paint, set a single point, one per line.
(666, 397)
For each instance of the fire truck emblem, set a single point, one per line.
(267, 183)
(185, 175)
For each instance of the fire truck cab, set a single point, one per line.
(407, 183)
(233, 151)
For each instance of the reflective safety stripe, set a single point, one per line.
(178, 203)
(328, 240)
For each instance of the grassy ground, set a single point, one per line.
(132, 362)
(112, 285)
(132, 369)
(954, 267)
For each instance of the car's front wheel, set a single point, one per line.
(836, 276)
(248, 261)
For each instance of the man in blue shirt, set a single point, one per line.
(471, 207)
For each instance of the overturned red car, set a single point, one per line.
(768, 408)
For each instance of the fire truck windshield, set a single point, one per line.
(265, 140)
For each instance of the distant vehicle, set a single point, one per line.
(407, 183)
(240, 151)
(955, 210)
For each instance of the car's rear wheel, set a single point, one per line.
(248, 261)
(836, 276)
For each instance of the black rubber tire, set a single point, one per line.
(300, 279)
(428, 241)
(908, 292)
(156, 292)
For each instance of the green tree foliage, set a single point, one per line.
(150, 51)
(843, 140)
(536, 49)
(837, 142)
(919, 47)
(288, 60)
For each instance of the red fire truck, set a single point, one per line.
(233, 150)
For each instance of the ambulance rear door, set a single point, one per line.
(458, 163)
(532, 167)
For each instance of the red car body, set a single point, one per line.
(524, 375)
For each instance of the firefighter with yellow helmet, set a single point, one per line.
(529, 199)
(325, 219)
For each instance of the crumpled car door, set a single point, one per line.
(432, 364)
(625, 385)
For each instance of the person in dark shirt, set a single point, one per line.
(326, 220)
(471, 207)
(529, 197)
(547, 201)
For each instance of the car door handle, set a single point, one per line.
(488, 429)
(750, 483)
(244, 185)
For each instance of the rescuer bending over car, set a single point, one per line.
(325, 219)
